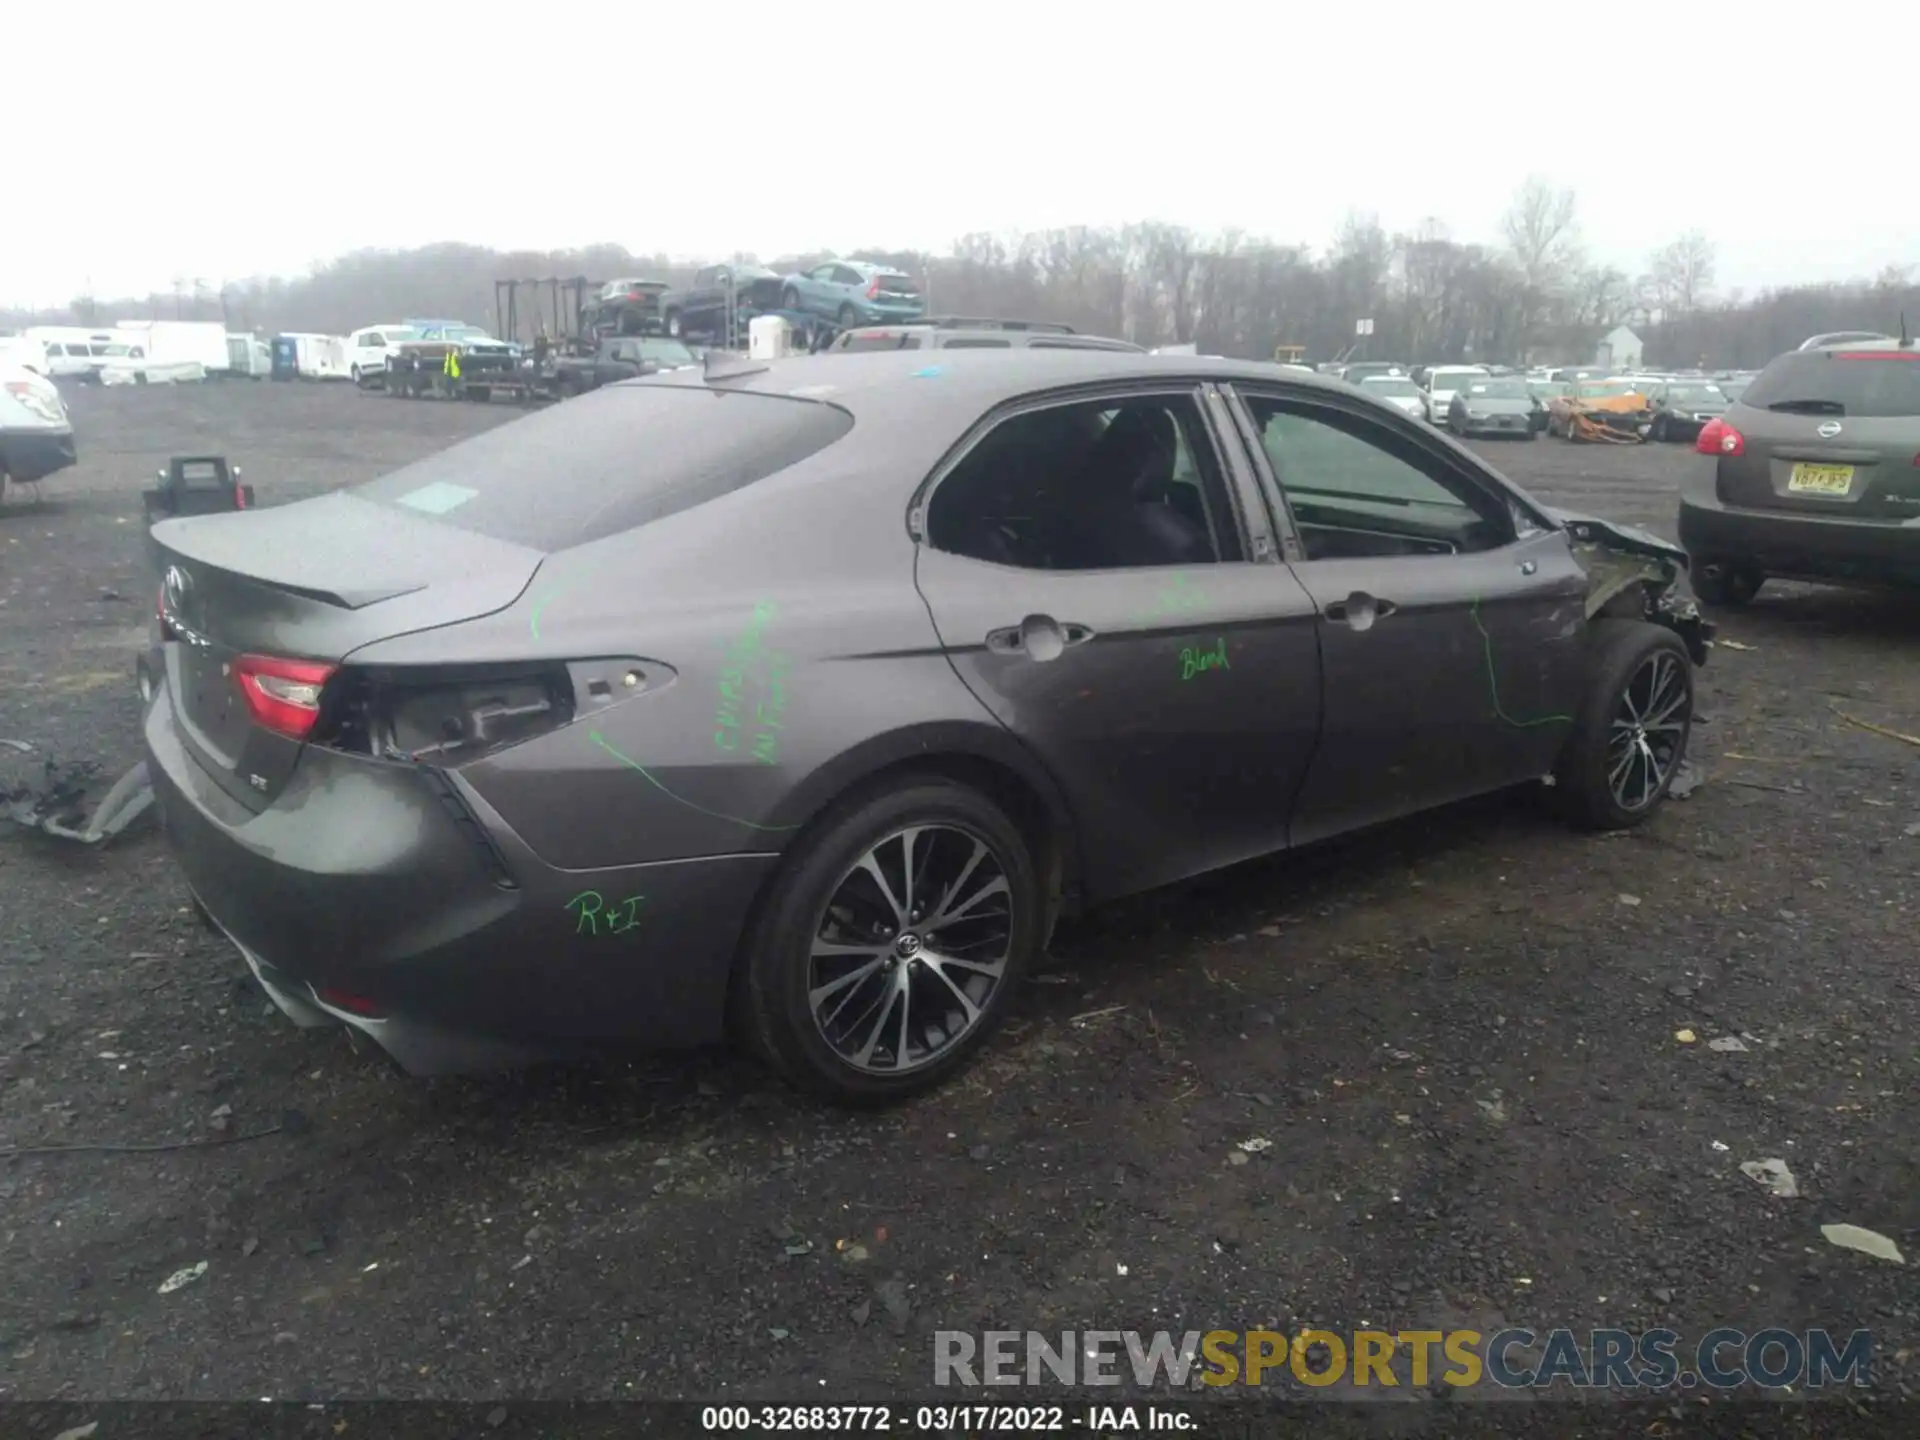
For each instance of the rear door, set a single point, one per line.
(1174, 692)
(1451, 628)
(1830, 432)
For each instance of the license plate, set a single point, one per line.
(1820, 479)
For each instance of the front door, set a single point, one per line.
(1084, 564)
(1452, 634)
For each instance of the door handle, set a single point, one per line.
(1038, 637)
(1359, 610)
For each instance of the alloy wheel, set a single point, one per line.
(909, 951)
(1649, 727)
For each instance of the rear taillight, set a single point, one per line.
(873, 288)
(1717, 437)
(282, 695)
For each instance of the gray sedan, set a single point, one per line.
(797, 700)
(1499, 405)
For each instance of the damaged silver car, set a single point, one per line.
(806, 694)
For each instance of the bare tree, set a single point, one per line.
(1543, 237)
(1681, 272)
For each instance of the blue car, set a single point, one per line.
(852, 292)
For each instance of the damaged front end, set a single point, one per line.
(1632, 574)
(1610, 420)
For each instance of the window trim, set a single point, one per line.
(1521, 509)
(1170, 387)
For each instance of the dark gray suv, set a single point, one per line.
(1816, 475)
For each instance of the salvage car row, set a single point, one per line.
(1586, 405)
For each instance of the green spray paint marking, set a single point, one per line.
(533, 620)
(1195, 662)
(597, 738)
(1493, 680)
(596, 917)
(747, 656)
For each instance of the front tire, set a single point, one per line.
(865, 982)
(790, 299)
(673, 323)
(1631, 732)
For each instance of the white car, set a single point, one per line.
(1399, 392)
(368, 350)
(36, 437)
(1443, 383)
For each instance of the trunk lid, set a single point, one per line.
(315, 580)
(1861, 469)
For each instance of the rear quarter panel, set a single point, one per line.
(802, 658)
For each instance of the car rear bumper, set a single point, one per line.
(1812, 547)
(392, 898)
(29, 455)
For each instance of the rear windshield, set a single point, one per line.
(1499, 390)
(896, 284)
(1454, 379)
(1867, 383)
(609, 461)
(879, 340)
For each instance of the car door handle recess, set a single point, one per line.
(1038, 637)
(1359, 610)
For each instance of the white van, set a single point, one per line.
(1443, 383)
(36, 437)
(369, 350)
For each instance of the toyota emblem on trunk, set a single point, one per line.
(177, 584)
(1828, 430)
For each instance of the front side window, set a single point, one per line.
(1097, 485)
(1356, 488)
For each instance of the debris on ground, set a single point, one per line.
(1256, 1144)
(1686, 780)
(1727, 1044)
(1629, 900)
(1867, 1242)
(1685, 1037)
(1773, 1174)
(1874, 729)
(1723, 644)
(57, 806)
(180, 1279)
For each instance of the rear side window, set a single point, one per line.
(1865, 383)
(609, 461)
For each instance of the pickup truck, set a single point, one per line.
(619, 359)
(701, 308)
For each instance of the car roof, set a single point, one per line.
(1887, 343)
(974, 380)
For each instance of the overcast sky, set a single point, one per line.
(220, 141)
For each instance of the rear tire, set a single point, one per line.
(848, 317)
(1722, 582)
(1631, 732)
(823, 888)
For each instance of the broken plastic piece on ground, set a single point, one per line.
(1773, 1174)
(58, 807)
(1867, 1242)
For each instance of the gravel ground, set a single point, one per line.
(1459, 1036)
